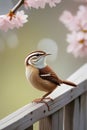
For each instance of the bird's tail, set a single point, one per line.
(69, 83)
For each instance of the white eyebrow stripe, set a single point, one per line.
(32, 54)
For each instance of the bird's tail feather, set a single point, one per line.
(69, 83)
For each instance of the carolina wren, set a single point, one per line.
(40, 74)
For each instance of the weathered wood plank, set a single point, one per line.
(83, 112)
(53, 122)
(45, 123)
(80, 113)
(26, 117)
(58, 120)
(68, 122)
(86, 111)
(76, 115)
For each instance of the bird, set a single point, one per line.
(40, 75)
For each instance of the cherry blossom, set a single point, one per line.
(52, 3)
(75, 22)
(10, 21)
(35, 3)
(19, 19)
(77, 44)
(70, 21)
(77, 25)
(5, 23)
(40, 3)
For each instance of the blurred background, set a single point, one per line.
(42, 32)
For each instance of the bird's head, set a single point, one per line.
(36, 59)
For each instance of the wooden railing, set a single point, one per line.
(68, 110)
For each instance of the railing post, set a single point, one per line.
(53, 122)
(76, 116)
(58, 120)
(68, 121)
(45, 123)
(83, 112)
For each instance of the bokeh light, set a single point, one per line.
(49, 46)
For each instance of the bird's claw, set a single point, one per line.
(42, 100)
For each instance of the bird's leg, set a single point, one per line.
(44, 96)
(41, 100)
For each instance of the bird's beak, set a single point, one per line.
(47, 54)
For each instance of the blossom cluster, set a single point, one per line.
(16, 19)
(40, 3)
(77, 25)
(12, 21)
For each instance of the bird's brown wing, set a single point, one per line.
(47, 74)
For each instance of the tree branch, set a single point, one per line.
(17, 6)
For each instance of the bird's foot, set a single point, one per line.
(38, 100)
(42, 100)
(47, 98)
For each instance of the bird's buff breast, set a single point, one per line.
(28, 72)
(32, 75)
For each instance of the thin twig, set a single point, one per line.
(17, 6)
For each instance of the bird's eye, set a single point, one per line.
(38, 55)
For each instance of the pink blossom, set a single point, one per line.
(75, 22)
(35, 3)
(82, 11)
(77, 44)
(26, 4)
(70, 21)
(52, 3)
(5, 23)
(11, 21)
(77, 25)
(66, 17)
(19, 19)
(82, 16)
(40, 3)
